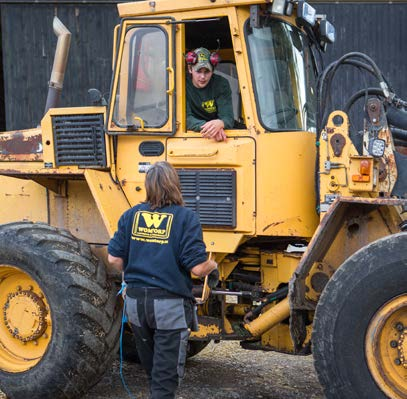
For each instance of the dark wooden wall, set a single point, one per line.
(378, 29)
(28, 44)
(28, 52)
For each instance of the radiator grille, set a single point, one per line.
(210, 193)
(79, 140)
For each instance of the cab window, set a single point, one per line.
(228, 71)
(218, 39)
(284, 76)
(141, 97)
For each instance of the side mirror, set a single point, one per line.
(96, 98)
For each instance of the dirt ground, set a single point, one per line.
(224, 371)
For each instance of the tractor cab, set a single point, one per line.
(263, 47)
(268, 54)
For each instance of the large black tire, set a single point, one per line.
(85, 320)
(372, 277)
(194, 347)
(129, 349)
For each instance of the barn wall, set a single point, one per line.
(28, 44)
(376, 28)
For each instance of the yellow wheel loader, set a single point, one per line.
(305, 215)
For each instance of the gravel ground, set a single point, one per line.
(223, 371)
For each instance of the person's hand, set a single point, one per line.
(220, 136)
(214, 130)
(123, 289)
(213, 278)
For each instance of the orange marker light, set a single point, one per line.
(364, 169)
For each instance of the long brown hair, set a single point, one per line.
(163, 186)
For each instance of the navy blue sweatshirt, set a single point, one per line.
(159, 248)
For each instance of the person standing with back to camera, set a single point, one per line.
(209, 98)
(157, 245)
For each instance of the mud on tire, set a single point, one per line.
(372, 277)
(82, 306)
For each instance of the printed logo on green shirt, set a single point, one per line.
(152, 227)
(209, 106)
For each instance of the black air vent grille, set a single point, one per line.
(151, 148)
(79, 140)
(210, 193)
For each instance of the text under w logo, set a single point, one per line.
(152, 226)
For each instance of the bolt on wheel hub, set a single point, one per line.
(25, 320)
(402, 347)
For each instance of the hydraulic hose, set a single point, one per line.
(326, 78)
(396, 117)
(377, 91)
(279, 294)
(399, 134)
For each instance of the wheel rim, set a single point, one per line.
(25, 321)
(386, 347)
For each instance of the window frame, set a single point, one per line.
(268, 129)
(168, 128)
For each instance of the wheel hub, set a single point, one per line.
(386, 347)
(25, 320)
(24, 315)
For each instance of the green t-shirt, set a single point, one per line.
(214, 101)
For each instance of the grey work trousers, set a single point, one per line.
(160, 322)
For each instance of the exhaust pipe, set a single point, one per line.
(60, 60)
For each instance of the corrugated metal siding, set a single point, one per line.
(28, 52)
(376, 29)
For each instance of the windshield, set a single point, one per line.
(141, 98)
(284, 76)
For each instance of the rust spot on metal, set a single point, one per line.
(391, 165)
(373, 109)
(324, 235)
(382, 170)
(21, 157)
(337, 143)
(18, 143)
(21, 145)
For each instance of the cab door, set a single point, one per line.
(143, 88)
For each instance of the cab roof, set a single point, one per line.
(149, 8)
(152, 7)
